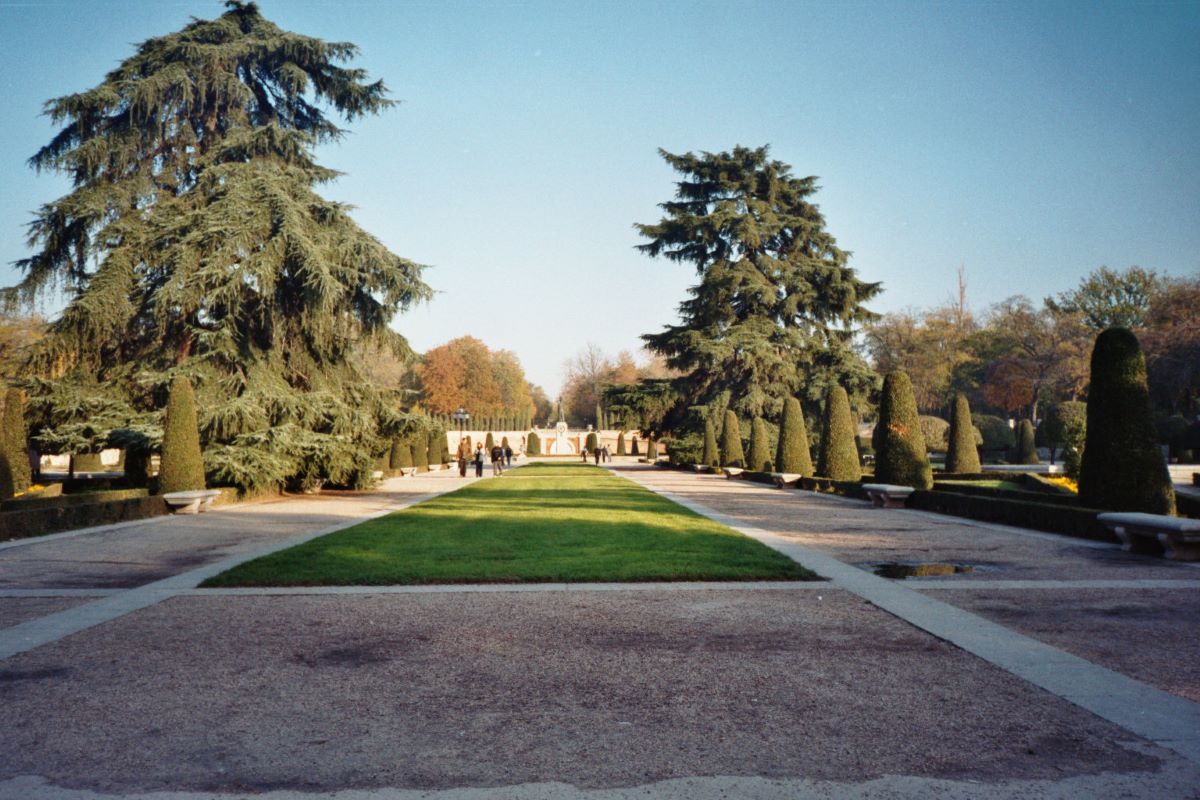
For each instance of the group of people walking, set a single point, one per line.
(598, 453)
(501, 457)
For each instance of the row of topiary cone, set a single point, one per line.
(1122, 467)
(837, 453)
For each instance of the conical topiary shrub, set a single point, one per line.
(621, 443)
(900, 456)
(402, 455)
(792, 455)
(961, 455)
(433, 450)
(633, 451)
(504, 441)
(533, 444)
(182, 467)
(760, 454)
(396, 457)
(419, 444)
(838, 454)
(489, 443)
(651, 449)
(711, 457)
(731, 442)
(592, 442)
(16, 440)
(1123, 468)
(1026, 451)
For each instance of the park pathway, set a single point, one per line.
(119, 678)
(65, 583)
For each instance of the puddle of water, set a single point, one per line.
(900, 571)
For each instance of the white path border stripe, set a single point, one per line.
(1151, 713)
(52, 627)
(498, 588)
(1096, 583)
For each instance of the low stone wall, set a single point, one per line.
(35, 517)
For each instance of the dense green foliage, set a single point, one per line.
(710, 456)
(961, 454)
(759, 456)
(838, 456)
(900, 456)
(792, 454)
(997, 435)
(731, 442)
(773, 315)
(401, 456)
(1123, 468)
(419, 445)
(1026, 450)
(934, 430)
(15, 473)
(182, 468)
(533, 444)
(590, 526)
(192, 242)
(1064, 426)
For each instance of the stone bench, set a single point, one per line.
(782, 479)
(191, 502)
(732, 472)
(887, 495)
(1178, 537)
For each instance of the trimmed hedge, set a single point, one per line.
(900, 456)
(38, 517)
(731, 442)
(1041, 516)
(15, 444)
(1026, 452)
(710, 456)
(621, 443)
(592, 442)
(182, 466)
(961, 454)
(533, 444)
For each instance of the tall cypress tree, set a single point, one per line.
(792, 454)
(1123, 468)
(900, 456)
(711, 457)
(621, 443)
(838, 456)
(731, 442)
(16, 440)
(962, 455)
(182, 467)
(760, 448)
(773, 315)
(193, 241)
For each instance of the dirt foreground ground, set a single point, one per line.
(684, 691)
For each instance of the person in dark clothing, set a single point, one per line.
(497, 455)
(596, 455)
(479, 461)
(507, 456)
(463, 452)
(604, 454)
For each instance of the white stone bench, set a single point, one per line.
(782, 479)
(191, 502)
(1145, 533)
(732, 472)
(887, 495)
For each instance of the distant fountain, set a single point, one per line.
(561, 445)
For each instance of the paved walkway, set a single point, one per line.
(1056, 668)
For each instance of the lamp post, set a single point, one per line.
(461, 417)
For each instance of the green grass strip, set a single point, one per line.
(537, 523)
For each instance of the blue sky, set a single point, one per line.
(1030, 142)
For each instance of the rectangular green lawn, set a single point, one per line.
(538, 523)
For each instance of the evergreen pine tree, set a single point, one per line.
(760, 448)
(962, 456)
(838, 455)
(192, 234)
(731, 442)
(621, 443)
(1026, 450)
(1123, 468)
(182, 466)
(16, 440)
(792, 454)
(774, 312)
(900, 456)
(711, 456)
